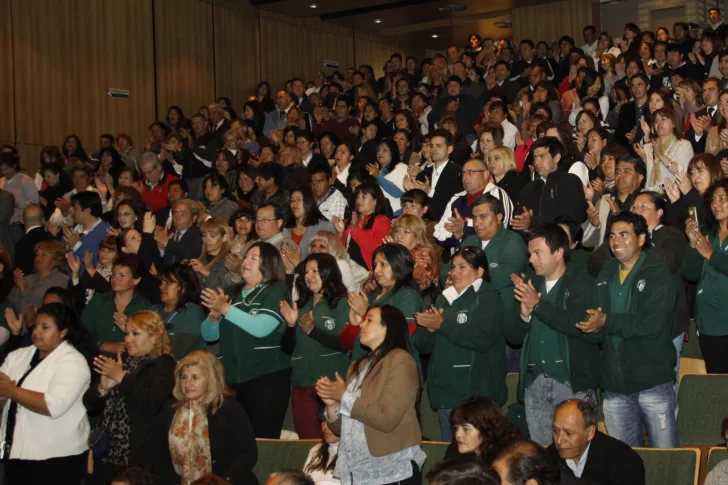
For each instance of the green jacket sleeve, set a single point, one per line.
(89, 318)
(719, 261)
(424, 341)
(514, 259)
(514, 328)
(579, 300)
(654, 311)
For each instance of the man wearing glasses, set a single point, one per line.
(269, 224)
(456, 223)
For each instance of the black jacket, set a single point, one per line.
(205, 148)
(627, 121)
(25, 249)
(233, 448)
(449, 184)
(609, 462)
(220, 132)
(561, 194)
(146, 391)
(188, 247)
(669, 245)
(513, 184)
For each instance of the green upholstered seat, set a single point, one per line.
(278, 455)
(716, 455)
(671, 466)
(698, 421)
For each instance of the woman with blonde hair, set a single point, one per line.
(129, 394)
(209, 431)
(210, 267)
(411, 232)
(294, 172)
(502, 166)
(352, 274)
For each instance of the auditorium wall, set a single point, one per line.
(60, 58)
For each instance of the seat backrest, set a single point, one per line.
(278, 455)
(512, 385)
(699, 419)
(435, 451)
(716, 455)
(670, 466)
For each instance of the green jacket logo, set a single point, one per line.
(641, 285)
(330, 324)
(462, 317)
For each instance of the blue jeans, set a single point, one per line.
(541, 399)
(678, 343)
(445, 429)
(624, 415)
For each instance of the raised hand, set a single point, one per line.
(307, 322)
(339, 224)
(373, 169)
(215, 300)
(456, 225)
(683, 182)
(88, 261)
(594, 322)
(121, 321)
(672, 190)
(330, 391)
(149, 224)
(74, 264)
(111, 369)
(289, 313)
(592, 214)
(522, 222)
(15, 324)
(358, 302)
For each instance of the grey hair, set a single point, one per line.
(587, 410)
(149, 157)
(190, 204)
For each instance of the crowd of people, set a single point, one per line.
(345, 244)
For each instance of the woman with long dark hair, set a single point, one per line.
(373, 411)
(179, 290)
(263, 96)
(321, 460)
(44, 423)
(322, 307)
(463, 334)
(395, 285)
(369, 223)
(706, 262)
(219, 200)
(304, 222)
(250, 344)
(390, 172)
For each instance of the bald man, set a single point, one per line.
(35, 232)
(582, 451)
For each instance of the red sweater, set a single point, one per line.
(156, 197)
(368, 239)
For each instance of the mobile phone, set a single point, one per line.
(693, 214)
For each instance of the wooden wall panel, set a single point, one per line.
(7, 95)
(541, 22)
(67, 55)
(296, 49)
(185, 60)
(374, 53)
(237, 55)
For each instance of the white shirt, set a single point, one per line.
(442, 234)
(344, 174)
(63, 377)
(578, 468)
(436, 172)
(451, 294)
(590, 49)
(509, 134)
(308, 160)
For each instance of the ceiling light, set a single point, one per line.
(377, 21)
(435, 36)
(313, 5)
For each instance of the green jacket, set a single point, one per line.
(468, 352)
(183, 328)
(507, 254)
(711, 304)
(637, 350)
(561, 314)
(244, 356)
(406, 299)
(98, 316)
(312, 359)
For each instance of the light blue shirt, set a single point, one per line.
(578, 468)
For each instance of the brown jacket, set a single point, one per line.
(387, 405)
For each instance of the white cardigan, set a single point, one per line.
(63, 376)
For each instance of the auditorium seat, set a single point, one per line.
(278, 455)
(716, 455)
(698, 423)
(670, 466)
(435, 451)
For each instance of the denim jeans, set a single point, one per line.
(541, 399)
(678, 343)
(625, 414)
(445, 430)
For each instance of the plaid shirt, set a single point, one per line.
(334, 204)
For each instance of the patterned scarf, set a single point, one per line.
(189, 444)
(116, 418)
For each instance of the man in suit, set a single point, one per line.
(7, 208)
(442, 180)
(278, 118)
(463, 106)
(697, 135)
(305, 141)
(298, 94)
(219, 125)
(581, 451)
(177, 190)
(185, 239)
(503, 81)
(628, 126)
(35, 232)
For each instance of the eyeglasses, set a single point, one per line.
(296, 199)
(469, 173)
(260, 219)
